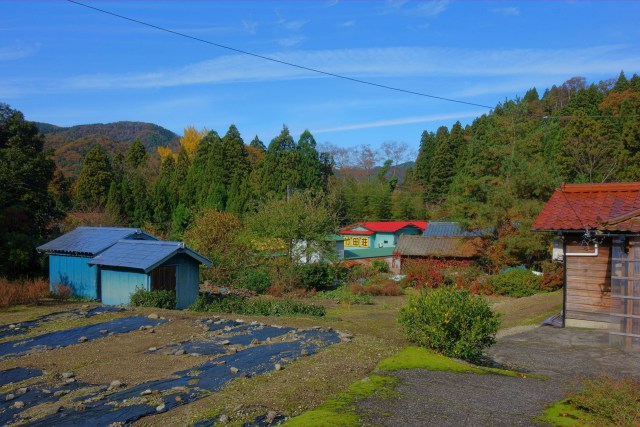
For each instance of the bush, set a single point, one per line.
(453, 322)
(516, 282)
(376, 288)
(361, 272)
(380, 266)
(62, 292)
(316, 276)
(609, 401)
(158, 299)
(256, 306)
(344, 295)
(23, 291)
(552, 276)
(257, 280)
(430, 273)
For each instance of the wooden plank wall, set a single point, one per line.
(589, 283)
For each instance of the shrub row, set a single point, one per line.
(256, 306)
(158, 299)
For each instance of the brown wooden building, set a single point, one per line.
(599, 227)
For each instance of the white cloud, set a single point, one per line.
(375, 62)
(290, 41)
(249, 27)
(432, 8)
(10, 53)
(350, 23)
(294, 25)
(331, 3)
(400, 121)
(507, 11)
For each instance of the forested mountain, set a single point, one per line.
(71, 144)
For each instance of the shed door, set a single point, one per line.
(164, 278)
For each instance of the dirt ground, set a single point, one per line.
(302, 385)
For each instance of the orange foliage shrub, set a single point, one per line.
(24, 291)
(63, 292)
(552, 276)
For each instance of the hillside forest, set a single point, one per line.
(233, 199)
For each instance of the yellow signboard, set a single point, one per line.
(356, 242)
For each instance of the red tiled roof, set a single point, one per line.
(581, 206)
(384, 226)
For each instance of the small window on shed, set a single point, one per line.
(163, 278)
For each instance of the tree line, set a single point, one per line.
(497, 171)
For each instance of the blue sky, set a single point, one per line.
(64, 64)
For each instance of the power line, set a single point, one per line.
(267, 58)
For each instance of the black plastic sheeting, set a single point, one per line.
(23, 327)
(128, 405)
(34, 395)
(15, 375)
(229, 331)
(260, 421)
(69, 337)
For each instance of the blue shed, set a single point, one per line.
(69, 257)
(151, 265)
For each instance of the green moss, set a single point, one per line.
(420, 358)
(340, 411)
(563, 414)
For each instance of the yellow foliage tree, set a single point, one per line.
(192, 136)
(166, 152)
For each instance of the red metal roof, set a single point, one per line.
(383, 226)
(582, 206)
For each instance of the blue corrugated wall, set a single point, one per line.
(118, 285)
(187, 279)
(74, 272)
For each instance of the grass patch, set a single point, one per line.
(343, 295)
(602, 401)
(563, 414)
(340, 411)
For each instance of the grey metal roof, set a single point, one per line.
(90, 240)
(453, 229)
(438, 246)
(144, 254)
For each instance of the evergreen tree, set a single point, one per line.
(311, 169)
(280, 172)
(27, 209)
(442, 169)
(136, 155)
(622, 83)
(94, 180)
(531, 95)
(424, 162)
(256, 143)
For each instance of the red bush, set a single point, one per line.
(429, 272)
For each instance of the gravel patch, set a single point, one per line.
(564, 356)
